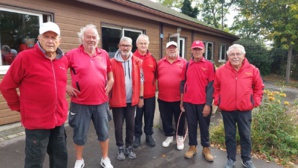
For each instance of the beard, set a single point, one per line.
(172, 55)
(125, 53)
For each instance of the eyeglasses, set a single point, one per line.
(123, 45)
(235, 54)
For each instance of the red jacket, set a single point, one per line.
(198, 87)
(149, 67)
(242, 90)
(42, 84)
(118, 94)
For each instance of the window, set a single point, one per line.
(209, 50)
(112, 35)
(222, 53)
(18, 31)
(181, 45)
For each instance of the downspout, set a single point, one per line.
(160, 40)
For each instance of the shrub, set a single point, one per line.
(274, 129)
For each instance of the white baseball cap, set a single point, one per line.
(49, 26)
(171, 43)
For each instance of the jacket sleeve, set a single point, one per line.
(11, 82)
(216, 86)
(210, 88)
(258, 87)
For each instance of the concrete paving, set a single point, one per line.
(12, 154)
(12, 149)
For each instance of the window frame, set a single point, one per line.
(206, 50)
(122, 29)
(222, 58)
(4, 68)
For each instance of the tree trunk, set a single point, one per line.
(288, 70)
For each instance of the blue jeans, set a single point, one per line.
(194, 115)
(40, 142)
(243, 120)
(148, 112)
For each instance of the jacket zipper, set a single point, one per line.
(55, 81)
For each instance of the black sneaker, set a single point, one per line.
(137, 142)
(150, 141)
(248, 164)
(129, 152)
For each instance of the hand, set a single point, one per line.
(141, 103)
(108, 89)
(206, 110)
(182, 108)
(72, 92)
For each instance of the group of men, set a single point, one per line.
(127, 85)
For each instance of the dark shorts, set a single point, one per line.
(80, 117)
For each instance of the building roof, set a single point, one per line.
(157, 12)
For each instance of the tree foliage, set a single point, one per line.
(214, 12)
(188, 10)
(272, 19)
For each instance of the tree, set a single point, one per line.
(188, 10)
(274, 20)
(214, 12)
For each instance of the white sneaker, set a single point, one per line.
(180, 143)
(167, 142)
(106, 163)
(79, 164)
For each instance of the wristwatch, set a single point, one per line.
(141, 97)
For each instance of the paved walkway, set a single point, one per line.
(12, 151)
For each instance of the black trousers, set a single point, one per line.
(243, 120)
(194, 115)
(167, 111)
(119, 115)
(40, 142)
(148, 112)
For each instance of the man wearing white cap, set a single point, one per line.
(169, 79)
(196, 98)
(40, 74)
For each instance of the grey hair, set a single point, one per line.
(238, 47)
(124, 38)
(143, 36)
(83, 29)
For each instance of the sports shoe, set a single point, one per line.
(248, 164)
(207, 154)
(191, 151)
(106, 163)
(79, 164)
(121, 155)
(230, 163)
(150, 141)
(167, 142)
(136, 142)
(129, 152)
(180, 143)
